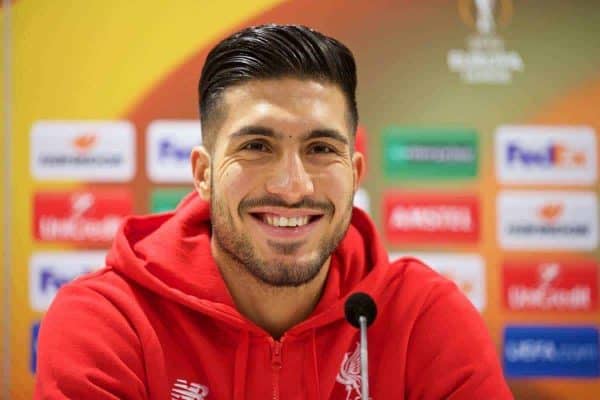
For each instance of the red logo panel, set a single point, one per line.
(550, 286)
(90, 216)
(431, 218)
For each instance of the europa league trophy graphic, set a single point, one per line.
(485, 16)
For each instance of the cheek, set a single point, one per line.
(235, 182)
(336, 181)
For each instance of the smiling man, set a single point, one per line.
(239, 293)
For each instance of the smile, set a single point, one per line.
(286, 223)
(279, 221)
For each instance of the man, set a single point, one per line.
(239, 293)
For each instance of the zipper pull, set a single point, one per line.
(276, 355)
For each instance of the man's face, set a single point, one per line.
(282, 178)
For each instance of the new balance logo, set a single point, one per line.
(184, 391)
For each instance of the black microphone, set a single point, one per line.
(360, 311)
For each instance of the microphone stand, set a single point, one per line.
(364, 358)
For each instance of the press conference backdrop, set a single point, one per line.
(479, 119)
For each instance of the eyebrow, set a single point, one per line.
(256, 130)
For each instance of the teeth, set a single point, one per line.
(284, 221)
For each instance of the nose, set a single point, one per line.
(289, 180)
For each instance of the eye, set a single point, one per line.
(321, 148)
(256, 145)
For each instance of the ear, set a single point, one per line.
(358, 168)
(200, 159)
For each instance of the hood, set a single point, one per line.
(169, 254)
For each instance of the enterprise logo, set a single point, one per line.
(546, 155)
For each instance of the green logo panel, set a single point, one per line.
(429, 153)
(166, 199)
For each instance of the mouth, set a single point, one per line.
(293, 224)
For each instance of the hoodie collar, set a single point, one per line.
(170, 254)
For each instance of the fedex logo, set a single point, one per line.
(170, 150)
(431, 218)
(551, 155)
(48, 272)
(168, 147)
(550, 286)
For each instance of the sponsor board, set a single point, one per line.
(551, 351)
(431, 218)
(90, 216)
(466, 270)
(550, 286)
(362, 200)
(485, 61)
(544, 220)
(168, 147)
(97, 151)
(549, 155)
(33, 346)
(163, 200)
(429, 153)
(48, 272)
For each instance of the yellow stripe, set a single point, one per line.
(94, 59)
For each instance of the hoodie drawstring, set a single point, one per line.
(239, 371)
(315, 388)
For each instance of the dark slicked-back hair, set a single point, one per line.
(270, 52)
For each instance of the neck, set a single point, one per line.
(273, 308)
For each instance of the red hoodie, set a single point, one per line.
(159, 323)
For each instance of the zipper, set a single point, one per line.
(276, 366)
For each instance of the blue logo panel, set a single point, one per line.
(551, 351)
(35, 329)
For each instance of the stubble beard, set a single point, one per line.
(238, 246)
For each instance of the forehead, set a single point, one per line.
(289, 104)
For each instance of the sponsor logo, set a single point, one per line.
(551, 351)
(78, 150)
(163, 200)
(485, 61)
(546, 155)
(48, 272)
(420, 153)
(433, 218)
(571, 286)
(362, 200)
(33, 345)
(80, 217)
(349, 374)
(188, 391)
(169, 144)
(547, 220)
(467, 271)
